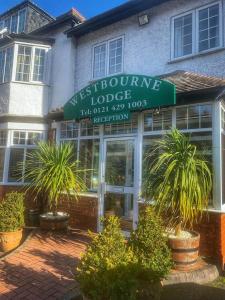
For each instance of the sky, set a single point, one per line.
(88, 8)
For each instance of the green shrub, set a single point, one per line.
(107, 269)
(149, 245)
(12, 212)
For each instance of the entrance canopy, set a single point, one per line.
(112, 99)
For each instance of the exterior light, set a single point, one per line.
(143, 19)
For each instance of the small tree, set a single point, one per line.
(107, 269)
(51, 169)
(178, 179)
(149, 245)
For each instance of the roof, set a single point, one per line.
(25, 37)
(189, 82)
(186, 83)
(114, 15)
(28, 3)
(72, 16)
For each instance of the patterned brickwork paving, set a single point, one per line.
(44, 268)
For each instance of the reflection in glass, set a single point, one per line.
(120, 163)
(120, 205)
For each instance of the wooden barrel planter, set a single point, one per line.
(185, 251)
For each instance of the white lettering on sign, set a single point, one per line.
(119, 96)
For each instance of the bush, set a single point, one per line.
(149, 245)
(107, 269)
(12, 212)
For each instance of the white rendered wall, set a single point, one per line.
(147, 49)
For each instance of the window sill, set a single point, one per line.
(211, 51)
(31, 83)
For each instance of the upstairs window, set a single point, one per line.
(108, 58)
(15, 23)
(6, 59)
(197, 31)
(30, 64)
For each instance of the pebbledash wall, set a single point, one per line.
(101, 47)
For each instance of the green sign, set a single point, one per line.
(112, 99)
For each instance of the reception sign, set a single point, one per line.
(112, 99)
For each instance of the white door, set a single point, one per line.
(118, 191)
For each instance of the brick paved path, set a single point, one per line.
(43, 268)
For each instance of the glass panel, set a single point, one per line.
(2, 65)
(22, 18)
(15, 161)
(88, 129)
(69, 130)
(99, 61)
(89, 160)
(158, 120)
(183, 36)
(115, 56)
(3, 137)
(33, 138)
(19, 137)
(209, 28)
(122, 128)
(23, 63)
(119, 169)
(7, 23)
(181, 118)
(120, 205)
(39, 61)
(193, 117)
(2, 159)
(14, 23)
(8, 64)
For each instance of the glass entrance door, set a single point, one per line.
(118, 181)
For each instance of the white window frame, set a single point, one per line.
(10, 17)
(2, 49)
(195, 31)
(33, 47)
(107, 42)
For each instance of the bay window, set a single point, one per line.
(108, 58)
(197, 31)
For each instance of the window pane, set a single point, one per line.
(2, 65)
(69, 130)
(89, 160)
(122, 128)
(19, 137)
(3, 137)
(33, 138)
(14, 23)
(22, 18)
(115, 56)
(7, 23)
(99, 61)
(181, 118)
(206, 116)
(88, 129)
(183, 36)
(15, 161)
(39, 61)
(193, 117)
(209, 28)
(8, 64)
(2, 159)
(23, 63)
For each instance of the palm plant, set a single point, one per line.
(178, 179)
(51, 169)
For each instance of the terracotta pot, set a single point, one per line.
(57, 222)
(185, 251)
(10, 240)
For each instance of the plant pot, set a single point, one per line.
(185, 251)
(10, 240)
(34, 217)
(59, 222)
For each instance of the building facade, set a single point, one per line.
(139, 44)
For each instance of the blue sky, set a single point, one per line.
(88, 8)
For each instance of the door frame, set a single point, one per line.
(102, 184)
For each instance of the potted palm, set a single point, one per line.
(52, 170)
(179, 180)
(11, 221)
